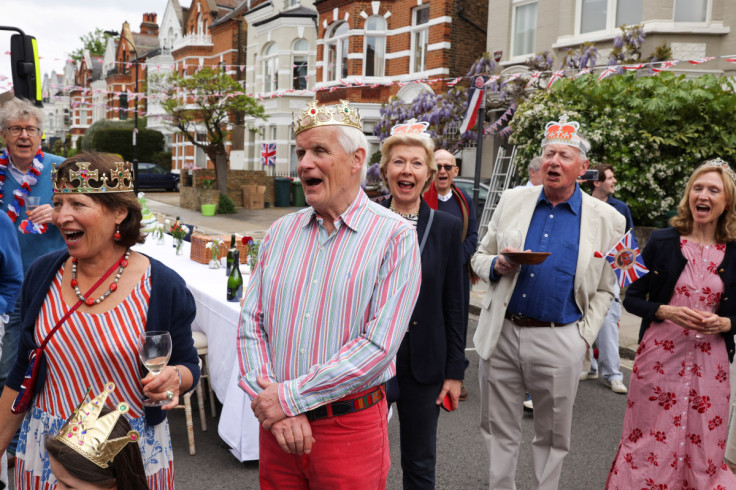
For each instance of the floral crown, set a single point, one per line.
(722, 164)
(87, 433)
(90, 182)
(565, 133)
(413, 127)
(315, 115)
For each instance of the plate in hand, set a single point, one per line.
(527, 258)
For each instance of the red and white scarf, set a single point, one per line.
(29, 180)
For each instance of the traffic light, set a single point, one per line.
(26, 68)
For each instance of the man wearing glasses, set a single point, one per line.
(445, 196)
(25, 171)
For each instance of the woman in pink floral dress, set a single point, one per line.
(675, 428)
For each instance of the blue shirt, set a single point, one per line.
(545, 291)
(622, 208)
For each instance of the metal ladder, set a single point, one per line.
(504, 174)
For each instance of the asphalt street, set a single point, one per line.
(462, 461)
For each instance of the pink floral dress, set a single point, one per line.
(675, 428)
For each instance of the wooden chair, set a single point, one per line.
(200, 343)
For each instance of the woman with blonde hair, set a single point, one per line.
(430, 363)
(675, 427)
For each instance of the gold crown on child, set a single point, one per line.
(87, 433)
(315, 115)
(90, 181)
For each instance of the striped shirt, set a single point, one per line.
(324, 314)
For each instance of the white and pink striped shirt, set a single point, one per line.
(324, 315)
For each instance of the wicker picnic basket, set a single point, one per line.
(200, 253)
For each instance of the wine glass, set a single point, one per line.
(154, 353)
(510, 239)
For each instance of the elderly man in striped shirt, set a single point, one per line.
(323, 317)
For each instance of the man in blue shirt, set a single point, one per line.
(608, 361)
(538, 319)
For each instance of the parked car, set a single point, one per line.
(154, 176)
(466, 184)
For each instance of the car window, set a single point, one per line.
(155, 169)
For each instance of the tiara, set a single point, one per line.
(87, 433)
(412, 126)
(315, 115)
(722, 164)
(90, 182)
(565, 133)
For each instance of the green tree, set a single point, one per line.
(208, 100)
(653, 129)
(95, 42)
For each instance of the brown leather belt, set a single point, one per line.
(346, 406)
(524, 321)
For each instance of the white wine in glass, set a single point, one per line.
(154, 353)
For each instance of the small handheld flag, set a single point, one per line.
(626, 260)
(268, 153)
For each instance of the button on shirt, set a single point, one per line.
(324, 314)
(545, 291)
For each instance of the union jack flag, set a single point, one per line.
(626, 260)
(268, 153)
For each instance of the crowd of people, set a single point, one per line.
(355, 306)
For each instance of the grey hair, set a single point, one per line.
(535, 164)
(351, 139)
(584, 145)
(19, 110)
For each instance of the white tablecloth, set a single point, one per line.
(218, 320)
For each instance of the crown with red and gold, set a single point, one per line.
(413, 127)
(564, 132)
(88, 433)
(315, 115)
(86, 181)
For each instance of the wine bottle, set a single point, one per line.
(235, 280)
(230, 256)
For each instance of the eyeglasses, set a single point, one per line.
(30, 130)
(448, 168)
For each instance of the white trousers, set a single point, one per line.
(608, 364)
(545, 362)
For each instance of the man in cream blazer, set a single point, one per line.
(537, 321)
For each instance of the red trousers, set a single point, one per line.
(351, 451)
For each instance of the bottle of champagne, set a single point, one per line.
(230, 256)
(235, 280)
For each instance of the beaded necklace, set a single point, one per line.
(122, 263)
(29, 179)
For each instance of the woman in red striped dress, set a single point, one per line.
(99, 217)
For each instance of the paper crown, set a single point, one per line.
(87, 432)
(90, 181)
(315, 115)
(565, 133)
(722, 164)
(412, 126)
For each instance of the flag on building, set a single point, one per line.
(626, 260)
(475, 99)
(268, 153)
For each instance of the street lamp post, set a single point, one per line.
(135, 113)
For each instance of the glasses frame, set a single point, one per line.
(16, 131)
(447, 167)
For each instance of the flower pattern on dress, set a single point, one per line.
(668, 345)
(704, 347)
(666, 400)
(659, 436)
(700, 403)
(713, 268)
(715, 422)
(695, 439)
(652, 459)
(722, 375)
(650, 485)
(635, 435)
(658, 367)
(683, 291)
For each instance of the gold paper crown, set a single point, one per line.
(722, 164)
(315, 115)
(565, 133)
(90, 182)
(87, 433)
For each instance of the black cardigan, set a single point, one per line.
(171, 307)
(663, 257)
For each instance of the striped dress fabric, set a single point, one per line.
(324, 314)
(90, 350)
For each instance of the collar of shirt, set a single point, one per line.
(15, 171)
(574, 202)
(446, 197)
(350, 217)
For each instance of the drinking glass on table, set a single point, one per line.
(154, 353)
